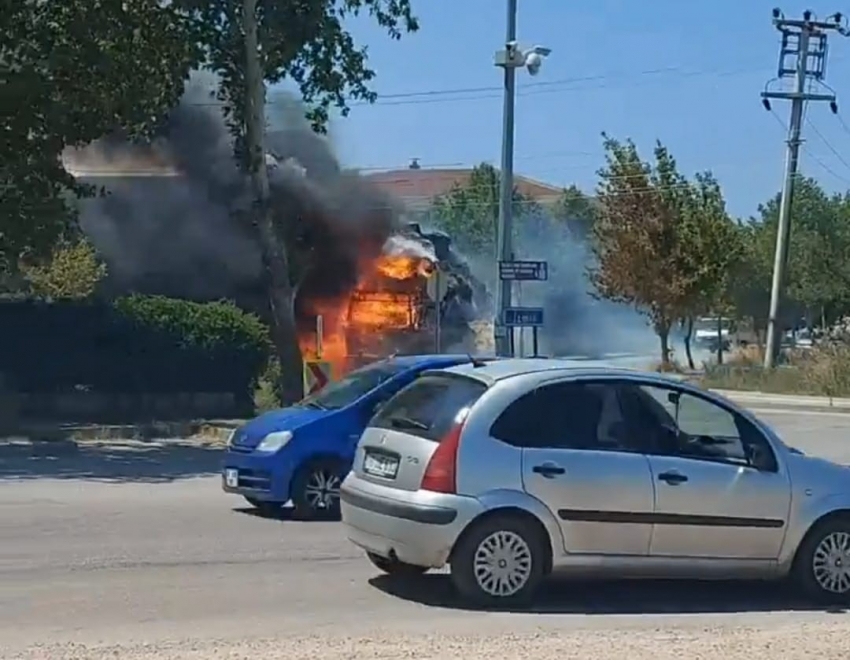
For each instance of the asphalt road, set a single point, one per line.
(136, 553)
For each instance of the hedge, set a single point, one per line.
(136, 344)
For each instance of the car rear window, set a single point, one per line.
(427, 407)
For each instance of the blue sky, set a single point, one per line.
(688, 73)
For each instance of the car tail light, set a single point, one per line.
(441, 472)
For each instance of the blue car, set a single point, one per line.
(302, 453)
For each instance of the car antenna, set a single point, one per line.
(476, 362)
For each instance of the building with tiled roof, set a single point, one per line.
(418, 187)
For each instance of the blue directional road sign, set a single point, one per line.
(524, 317)
(523, 271)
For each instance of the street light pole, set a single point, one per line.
(505, 249)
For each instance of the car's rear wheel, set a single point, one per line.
(499, 562)
(822, 565)
(315, 490)
(395, 567)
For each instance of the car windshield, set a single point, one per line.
(347, 390)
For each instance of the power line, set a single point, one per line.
(529, 89)
(813, 156)
(829, 146)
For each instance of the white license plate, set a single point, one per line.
(231, 478)
(380, 466)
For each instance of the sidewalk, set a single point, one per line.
(214, 432)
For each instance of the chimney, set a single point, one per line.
(414, 164)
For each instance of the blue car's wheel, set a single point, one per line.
(264, 507)
(315, 490)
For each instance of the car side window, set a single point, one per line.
(683, 424)
(565, 416)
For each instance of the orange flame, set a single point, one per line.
(387, 298)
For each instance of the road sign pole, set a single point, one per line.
(438, 315)
(534, 341)
(320, 322)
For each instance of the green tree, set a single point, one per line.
(470, 212)
(304, 42)
(577, 211)
(818, 278)
(712, 250)
(71, 72)
(72, 273)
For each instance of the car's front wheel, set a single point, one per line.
(264, 507)
(395, 567)
(499, 562)
(315, 490)
(822, 565)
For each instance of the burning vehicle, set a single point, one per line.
(417, 296)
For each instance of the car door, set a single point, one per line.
(719, 490)
(576, 461)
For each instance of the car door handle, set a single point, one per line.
(672, 478)
(548, 470)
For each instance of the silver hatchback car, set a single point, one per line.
(511, 470)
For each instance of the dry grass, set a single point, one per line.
(820, 371)
(671, 367)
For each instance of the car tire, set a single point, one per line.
(822, 564)
(264, 507)
(315, 490)
(499, 562)
(395, 567)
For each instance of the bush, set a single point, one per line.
(821, 371)
(209, 326)
(138, 344)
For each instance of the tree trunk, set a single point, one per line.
(282, 304)
(275, 259)
(664, 336)
(719, 339)
(689, 332)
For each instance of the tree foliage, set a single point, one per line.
(576, 211)
(469, 212)
(72, 72)
(305, 42)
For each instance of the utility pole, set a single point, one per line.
(804, 41)
(505, 248)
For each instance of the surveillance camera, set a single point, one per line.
(533, 63)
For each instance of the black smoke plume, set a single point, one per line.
(173, 220)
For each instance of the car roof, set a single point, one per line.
(432, 361)
(490, 372)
